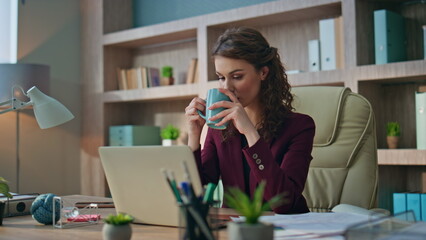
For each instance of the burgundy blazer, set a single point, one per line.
(283, 162)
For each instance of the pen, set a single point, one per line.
(187, 176)
(172, 185)
(186, 170)
(188, 191)
(208, 196)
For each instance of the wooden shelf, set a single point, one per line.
(408, 157)
(184, 91)
(392, 72)
(329, 78)
(162, 33)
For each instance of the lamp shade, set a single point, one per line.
(24, 75)
(48, 111)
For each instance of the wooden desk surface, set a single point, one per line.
(25, 227)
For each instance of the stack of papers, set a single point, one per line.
(311, 225)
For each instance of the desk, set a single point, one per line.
(24, 227)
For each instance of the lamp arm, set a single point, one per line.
(16, 103)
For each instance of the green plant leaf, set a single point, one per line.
(119, 219)
(170, 132)
(4, 188)
(393, 129)
(251, 209)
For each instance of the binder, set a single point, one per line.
(314, 55)
(423, 206)
(424, 41)
(389, 37)
(331, 43)
(421, 120)
(399, 203)
(413, 203)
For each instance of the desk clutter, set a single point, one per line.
(19, 205)
(65, 212)
(196, 221)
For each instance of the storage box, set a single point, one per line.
(134, 135)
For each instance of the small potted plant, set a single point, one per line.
(4, 189)
(117, 227)
(393, 132)
(169, 135)
(251, 209)
(167, 75)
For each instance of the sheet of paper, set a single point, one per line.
(316, 223)
(312, 225)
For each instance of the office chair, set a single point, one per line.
(344, 166)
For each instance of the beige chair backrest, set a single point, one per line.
(344, 165)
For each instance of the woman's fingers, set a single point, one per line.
(223, 104)
(229, 94)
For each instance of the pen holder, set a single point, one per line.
(195, 222)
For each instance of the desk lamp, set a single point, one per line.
(48, 111)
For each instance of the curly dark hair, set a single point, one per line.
(250, 45)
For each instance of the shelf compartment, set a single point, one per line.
(285, 24)
(391, 88)
(406, 157)
(274, 12)
(175, 53)
(415, 17)
(175, 92)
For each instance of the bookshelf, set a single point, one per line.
(111, 42)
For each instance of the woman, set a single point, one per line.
(264, 140)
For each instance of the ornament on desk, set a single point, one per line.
(42, 209)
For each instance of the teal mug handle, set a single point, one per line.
(201, 114)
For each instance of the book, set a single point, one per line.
(153, 77)
(139, 77)
(389, 37)
(196, 75)
(420, 119)
(121, 79)
(131, 79)
(191, 71)
(144, 75)
(314, 55)
(331, 43)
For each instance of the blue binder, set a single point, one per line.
(389, 37)
(413, 203)
(399, 203)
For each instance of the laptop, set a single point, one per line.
(138, 186)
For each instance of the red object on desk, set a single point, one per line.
(85, 218)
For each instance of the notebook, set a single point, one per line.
(137, 185)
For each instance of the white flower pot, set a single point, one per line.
(117, 232)
(169, 142)
(244, 231)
